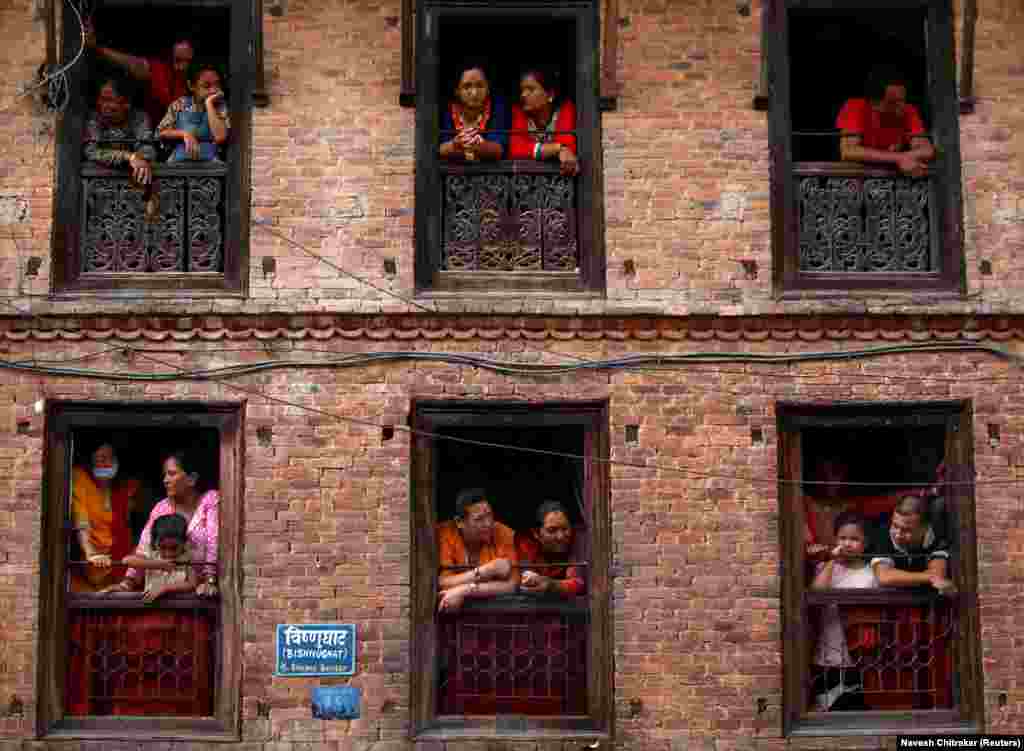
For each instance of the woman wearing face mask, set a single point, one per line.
(101, 502)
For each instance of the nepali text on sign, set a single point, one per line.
(313, 649)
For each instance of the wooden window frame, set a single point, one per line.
(788, 279)
(245, 53)
(62, 417)
(590, 277)
(956, 416)
(429, 417)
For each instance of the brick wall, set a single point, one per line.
(686, 169)
(696, 598)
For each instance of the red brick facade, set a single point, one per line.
(326, 521)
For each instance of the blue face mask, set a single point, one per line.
(105, 473)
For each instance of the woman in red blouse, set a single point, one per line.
(541, 121)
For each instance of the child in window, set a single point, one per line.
(199, 120)
(837, 678)
(166, 566)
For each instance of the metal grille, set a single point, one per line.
(865, 224)
(142, 662)
(891, 657)
(509, 222)
(186, 235)
(513, 663)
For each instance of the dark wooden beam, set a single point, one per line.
(967, 99)
(407, 94)
(610, 57)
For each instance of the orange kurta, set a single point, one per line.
(107, 525)
(452, 550)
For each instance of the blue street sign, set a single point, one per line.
(315, 649)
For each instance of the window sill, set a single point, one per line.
(850, 169)
(919, 722)
(919, 289)
(128, 286)
(511, 729)
(503, 283)
(142, 729)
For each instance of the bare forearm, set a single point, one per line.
(858, 153)
(492, 589)
(137, 561)
(925, 152)
(218, 127)
(893, 577)
(172, 134)
(449, 581)
(137, 67)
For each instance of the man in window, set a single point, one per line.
(908, 553)
(544, 551)
(883, 129)
(477, 555)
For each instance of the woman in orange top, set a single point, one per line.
(100, 505)
(540, 123)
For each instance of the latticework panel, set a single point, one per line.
(522, 663)
(187, 233)
(520, 222)
(148, 662)
(857, 224)
(883, 657)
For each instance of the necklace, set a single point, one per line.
(461, 122)
(547, 133)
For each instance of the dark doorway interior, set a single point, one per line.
(517, 482)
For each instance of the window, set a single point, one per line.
(515, 665)
(109, 663)
(194, 235)
(845, 225)
(878, 658)
(508, 225)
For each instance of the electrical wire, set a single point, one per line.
(629, 362)
(185, 374)
(59, 76)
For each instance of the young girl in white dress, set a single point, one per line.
(837, 680)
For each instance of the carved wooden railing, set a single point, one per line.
(900, 647)
(521, 655)
(857, 219)
(185, 234)
(508, 216)
(129, 658)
